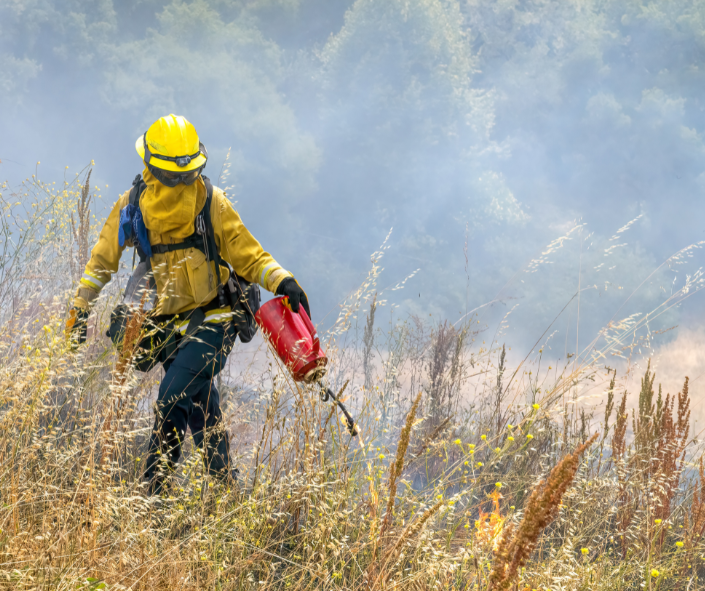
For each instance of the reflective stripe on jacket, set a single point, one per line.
(185, 280)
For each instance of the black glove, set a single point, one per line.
(77, 327)
(297, 296)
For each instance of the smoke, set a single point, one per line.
(506, 143)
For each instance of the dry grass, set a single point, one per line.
(318, 509)
(81, 228)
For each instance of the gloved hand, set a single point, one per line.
(77, 327)
(290, 288)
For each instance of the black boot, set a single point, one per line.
(159, 468)
(217, 454)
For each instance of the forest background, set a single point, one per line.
(481, 131)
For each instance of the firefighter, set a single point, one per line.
(173, 193)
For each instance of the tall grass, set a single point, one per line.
(468, 473)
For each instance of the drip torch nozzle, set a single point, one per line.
(349, 421)
(299, 348)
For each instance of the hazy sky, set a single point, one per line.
(481, 131)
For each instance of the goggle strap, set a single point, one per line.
(147, 153)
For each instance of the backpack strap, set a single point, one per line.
(212, 247)
(242, 297)
(138, 187)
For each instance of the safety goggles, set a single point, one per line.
(171, 179)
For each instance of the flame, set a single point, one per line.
(490, 525)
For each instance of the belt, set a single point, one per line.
(210, 312)
(199, 316)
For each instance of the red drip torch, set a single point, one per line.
(295, 340)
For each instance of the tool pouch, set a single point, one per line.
(157, 342)
(244, 301)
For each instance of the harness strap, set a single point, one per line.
(197, 318)
(193, 241)
(213, 251)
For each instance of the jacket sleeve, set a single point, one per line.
(240, 248)
(104, 260)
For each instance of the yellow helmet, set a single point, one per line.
(171, 144)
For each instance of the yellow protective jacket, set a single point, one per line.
(182, 276)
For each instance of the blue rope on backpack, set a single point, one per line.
(132, 227)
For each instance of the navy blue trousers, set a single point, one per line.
(189, 398)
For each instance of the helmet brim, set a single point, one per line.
(197, 162)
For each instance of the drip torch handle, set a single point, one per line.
(311, 328)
